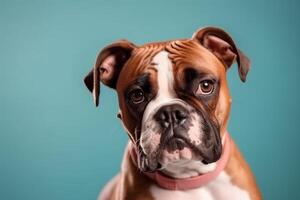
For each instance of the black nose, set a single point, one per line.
(174, 115)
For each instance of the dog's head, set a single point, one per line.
(173, 96)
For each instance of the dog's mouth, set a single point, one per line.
(176, 143)
(173, 150)
(178, 148)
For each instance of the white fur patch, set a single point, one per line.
(165, 95)
(165, 81)
(219, 189)
(195, 131)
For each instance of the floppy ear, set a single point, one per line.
(222, 46)
(107, 68)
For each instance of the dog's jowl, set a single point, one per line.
(174, 105)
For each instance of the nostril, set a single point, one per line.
(163, 116)
(180, 115)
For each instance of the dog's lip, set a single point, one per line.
(180, 139)
(179, 142)
(186, 142)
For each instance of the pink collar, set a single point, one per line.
(169, 183)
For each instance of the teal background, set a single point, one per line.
(54, 144)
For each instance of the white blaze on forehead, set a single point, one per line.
(165, 82)
(165, 95)
(165, 77)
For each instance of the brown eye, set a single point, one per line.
(205, 87)
(137, 96)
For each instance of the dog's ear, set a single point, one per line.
(108, 65)
(222, 46)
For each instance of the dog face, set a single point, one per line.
(173, 95)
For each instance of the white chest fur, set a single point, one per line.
(219, 189)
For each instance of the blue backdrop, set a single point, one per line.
(54, 144)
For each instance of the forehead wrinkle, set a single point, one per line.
(164, 80)
(140, 59)
(188, 53)
(146, 53)
(152, 68)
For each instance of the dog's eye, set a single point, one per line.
(136, 96)
(205, 87)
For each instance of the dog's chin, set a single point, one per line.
(176, 155)
(173, 152)
(177, 151)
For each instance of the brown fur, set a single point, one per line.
(197, 53)
(241, 174)
(130, 184)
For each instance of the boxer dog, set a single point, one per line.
(174, 104)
